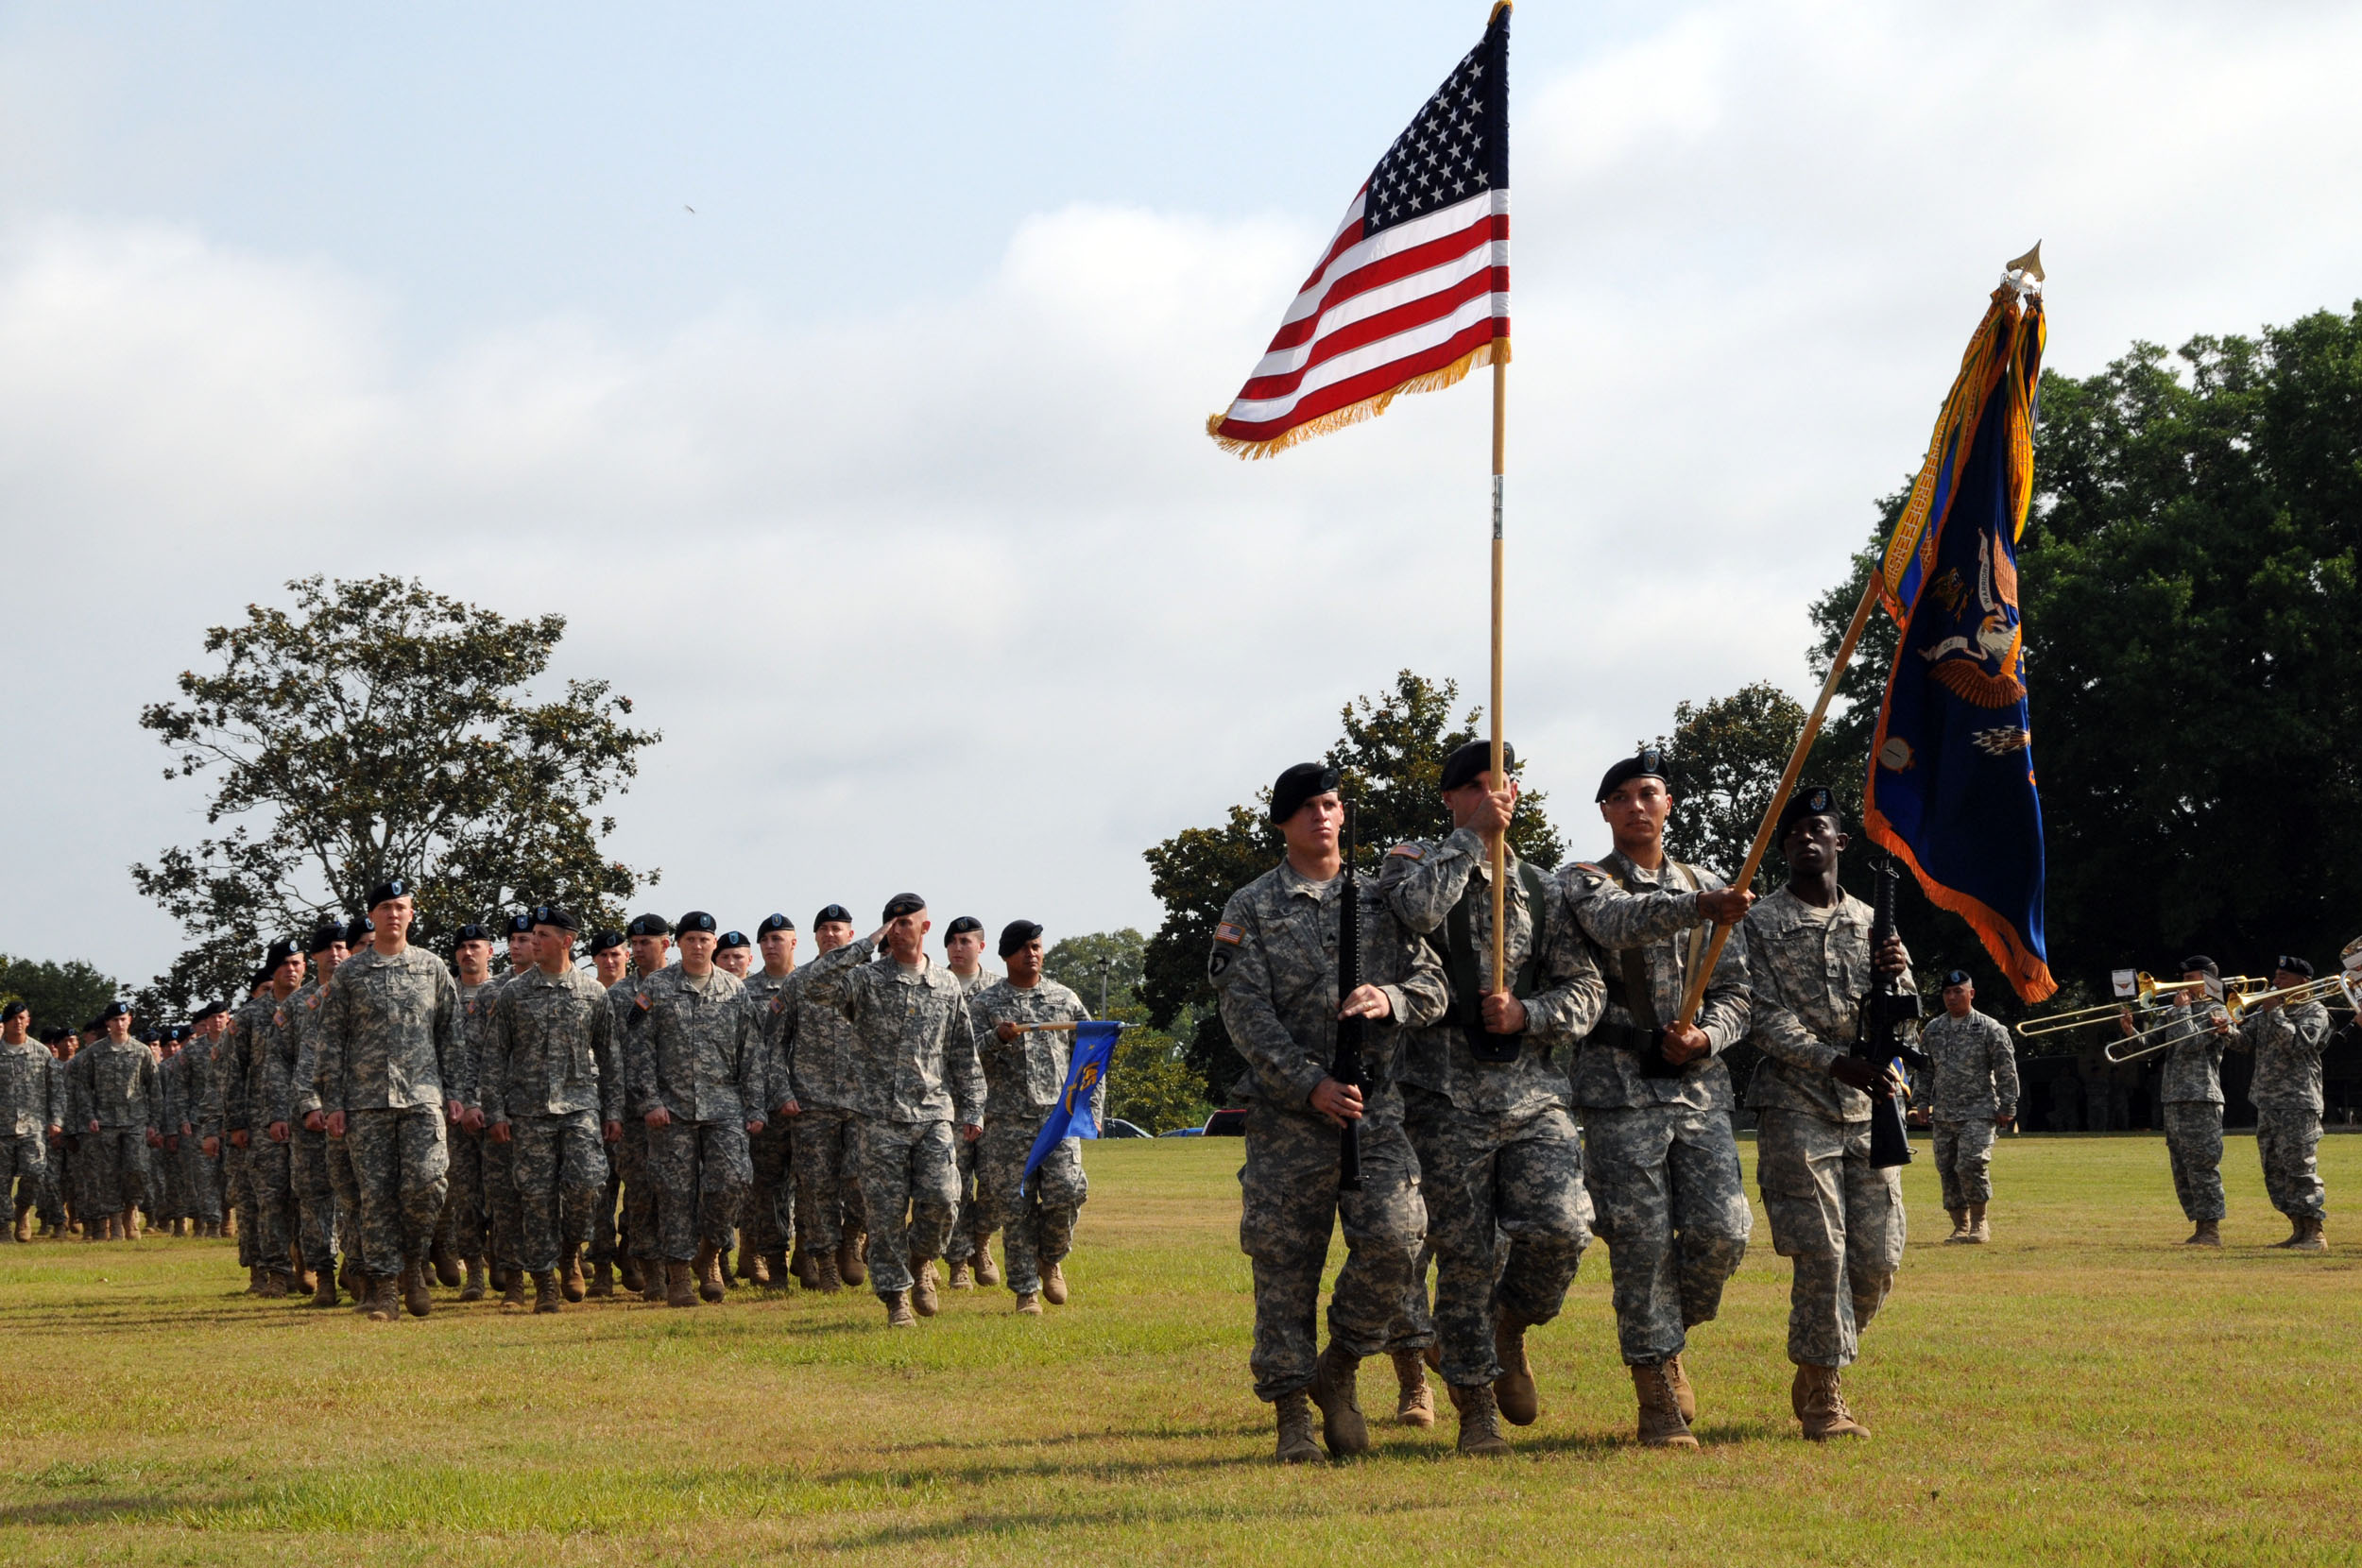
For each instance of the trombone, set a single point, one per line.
(2147, 989)
(2239, 993)
(2319, 989)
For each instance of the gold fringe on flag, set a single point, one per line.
(1368, 408)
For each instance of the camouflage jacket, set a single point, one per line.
(691, 1046)
(1273, 963)
(1644, 924)
(817, 1048)
(1421, 882)
(389, 1032)
(771, 999)
(2193, 1052)
(228, 1086)
(475, 1039)
(2287, 1042)
(550, 1050)
(303, 1010)
(914, 1041)
(1023, 1076)
(115, 1084)
(1807, 970)
(1975, 1071)
(29, 1090)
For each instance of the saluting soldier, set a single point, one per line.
(817, 1046)
(1662, 1159)
(30, 1102)
(1025, 1069)
(1835, 1217)
(1974, 1096)
(2286, 1093)
(2193, 1031)
(971, 1233)
(1273, 963)
(769, 1227)
(1484, 1104)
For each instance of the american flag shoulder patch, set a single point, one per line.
(1228, 933)
(1409, 852)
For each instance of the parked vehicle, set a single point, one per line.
(1118, 1127)
(1227, 1124)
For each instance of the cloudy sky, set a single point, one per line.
(879, 480)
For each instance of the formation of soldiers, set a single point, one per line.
(375, 1121)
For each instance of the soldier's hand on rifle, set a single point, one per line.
(1368, 1001)
(1684, 1043)
(1338, 1102)
(1725, 906)
(1503, 1014)
(1878, 1082)
(1890, 959)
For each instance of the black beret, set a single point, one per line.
(605, 942)
(1299, 784)
(51, 1035)
(151, 1035)
(114, 1010)
(1468, 763)
(1811, 800)
(903, 904)
(733, 939)
(1016, 934)
(470, 932)
(326, 936)
(359, 930)
(648, 925)
(260, 977)
(1957, 977)
(280, 953)
(2295, 965)
(555, 915)
(773, 923)
(964, 923)
(1648, 763)
(836, 912)
(516, 924)
(14, 1010)
(389, 890)
(2203, 965)
(210, 1010)
(696, 920)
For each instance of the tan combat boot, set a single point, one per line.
(774, 1266)
(1959, 1228)
(472, 1289)
(570, 1280)
(923, 1298)
(254, 1279)
(824, 1274)
(24, 1222)
(228, 1231)
(384, 1307)
(2209, 1234)
(750, 1267)
(800, 1264)
(275, 1286)
(709, 1281)
(351, 1279)
(1054, 1286)
(2309, 1237)
(1295, 1430)
(131, 1224)
(1479, 1423)
(1414, 1401)
(655, 1283)
(1514, 1389)
(602, 1279)
(680, 1285)
(416, 1296)
(988, 1273)
(961, 1278)
(446, 1270)
(848, 1264)
(1685, 1397)
(1661, 1424)
(512, 1284)
(899, 1313)
(324, 1289)
(1029, 1303)
(1820, 1404)
(1978, 1232)
(545, 1291)
(628, 1274)
(1333, 1389)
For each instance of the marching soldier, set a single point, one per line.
(915, 1059)
(2193, 1032)
(734, 955)
(1841, 1220)
(610, 962)
(227, 1087)
(971, 1233)
(353, 1275)
(818, 1047)
(641, 1265)
(764, 1236)
(504, 1218)
(29, 1099)
(201, 1171)
(390, 1052)
(58, 1197)
(1273, 963)
(466, 1226)
(1663, 1160)
(1025, 1069)
(1486, 1108)
(315, 1194)
(2286, 1093)
(259, 1108)
(1974, 1096)
(115, 1108)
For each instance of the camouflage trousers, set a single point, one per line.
(56, 1190)
(701, 1173)
(504, 1216)
(271, 1200)
(636, 1232)
(1290, 1204)
(237, 1197)
(1488, 1179)
(605, 1241)
(1040, 1221)
(401, 1167)
(465, 1229)
(25, 1170)
(970, 1229)
(2286, 1141)
(769, 1222)
(200, 1178)
(561, 1168)
(828, 1177)
(315, 1198)
(162, 1197)
(346, 1183)
(1672, 1209)
(1838, 1219)
(1964, 1161)
(2194, 1149)
(910, 1188)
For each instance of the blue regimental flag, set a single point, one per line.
(1951, 785)
(1076, 1115)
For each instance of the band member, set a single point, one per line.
(1974, 1096)
(2192, 1032)
(2286, 1093)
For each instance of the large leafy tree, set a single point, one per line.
(1721, 763)
(374, 729)
(66, 994)
(1150, 1082)
(1391, 753)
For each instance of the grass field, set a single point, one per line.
(2081, 1391)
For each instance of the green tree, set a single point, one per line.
(380, 729)
(64, 995)
(1150, 1082)
(1721, 763)
(1390, 754)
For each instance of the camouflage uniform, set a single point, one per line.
(970, 1230)
(697, 1055)
(2191, 1093)
(316, 1229)
(915, 1060)
(389, 1044)
(2286, 1094)
(1664, 1160)
(224, 1096)
(551, 1076)
(769, 1223)
(629, 1184)
(1022, 1082)
(817, 1050)
(163, 1188)
(466, 1225)
(114, 1084)
(30, 1104)
(1841, 1220)
(1976, 1082)
(261, 1092)
(200, 1175)
(1274, 968)
(1497, 1148)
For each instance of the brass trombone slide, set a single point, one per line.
(2145, 991)
(2239, 993)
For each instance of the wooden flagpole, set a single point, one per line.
(1500, 776)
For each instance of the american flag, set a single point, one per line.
(1412, 292)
